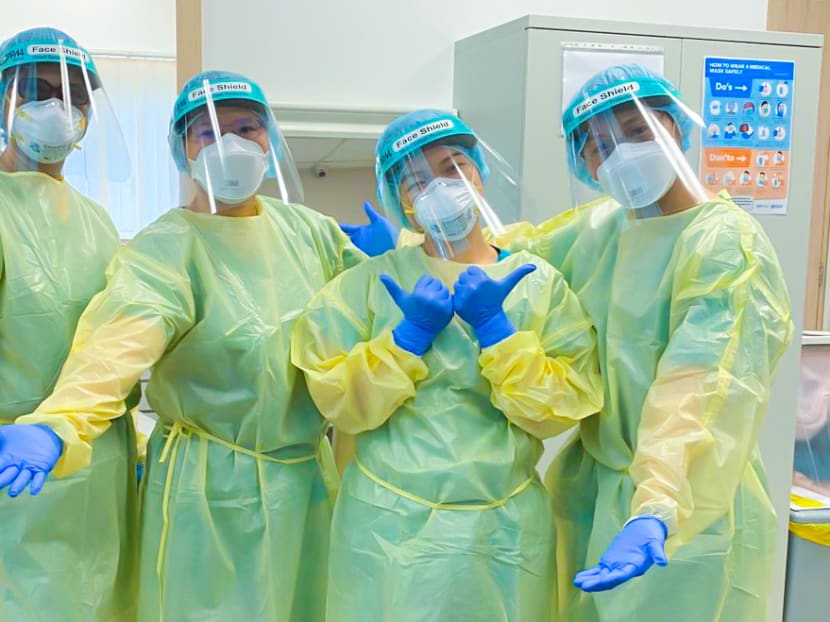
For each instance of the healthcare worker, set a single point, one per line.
(68, 553)
(450, 361)
(692, 315)
(237, 492)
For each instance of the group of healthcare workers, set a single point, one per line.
(648, 320)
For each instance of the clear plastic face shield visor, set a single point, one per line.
(57, 114)
(234, 150)
(450, 190)
(633, 152)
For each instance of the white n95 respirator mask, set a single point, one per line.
(47, 131)
(233, 175)
(637, 175)
(446, 209)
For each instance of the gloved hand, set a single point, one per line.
(478, 300)
(27, 454)
(426, 311)
(375, 238)
(640, 544)
(139, 472)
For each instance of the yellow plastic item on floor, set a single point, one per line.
(441, 515)
(236, 499)
(692, 316)
(141, 439)
(819, 533)
(58, 559)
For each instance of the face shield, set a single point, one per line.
(225, 137)
(626, 133)
(56, 111)
(437, 177)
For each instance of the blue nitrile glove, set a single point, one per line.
(139, 472)
(640, 545)
(27, 455)
(479, 300)
(426, 311)
(375, 238)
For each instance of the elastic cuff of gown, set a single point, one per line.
(509, 349)
(76, 453)
(411, 364)
(667, 518)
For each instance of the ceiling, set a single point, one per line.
(332, 137)
(310, 152)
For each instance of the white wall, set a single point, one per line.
(129, 26)
(388, 54)
(340, 194)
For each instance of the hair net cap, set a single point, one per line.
(43, 45)
(223, 85)
(414, 131)
(612, 87)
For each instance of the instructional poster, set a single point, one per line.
(745, 143)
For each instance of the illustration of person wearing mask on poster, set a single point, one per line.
(746, 131)
(779, 157)
(729, 132)
(765, 109)
(781, 109)
(746, 178)
(762, 178)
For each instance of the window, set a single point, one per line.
(141, 92)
